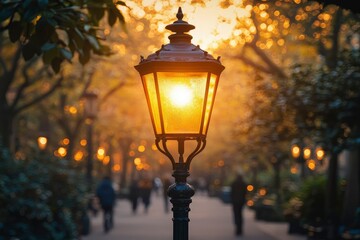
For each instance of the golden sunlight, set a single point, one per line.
(214, 21)
(180, 95)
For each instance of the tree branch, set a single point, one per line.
(41, 97)
(271, 65)
(64, 125)
(88, 81)
(3, 66)
(9, 75)
(253, 64)
(28, 81)
(111, 92)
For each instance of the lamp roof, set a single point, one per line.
(180, 50)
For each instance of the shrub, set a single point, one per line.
(309, 203)
(41, 198)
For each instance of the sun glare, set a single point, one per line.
(180, 96)
(214, 21)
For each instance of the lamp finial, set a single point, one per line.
(179, 14)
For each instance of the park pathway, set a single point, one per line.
(210, 219)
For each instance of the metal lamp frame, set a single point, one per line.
(180, 56)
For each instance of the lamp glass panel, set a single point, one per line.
(210, 101)
(152, 100)
(182, 100)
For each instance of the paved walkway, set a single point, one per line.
(210, 219)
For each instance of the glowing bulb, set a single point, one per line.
(311, 164)
(42, 141)
(180, 95)
(62, 151)
(320, 154)
(295, 151)
(307, 153)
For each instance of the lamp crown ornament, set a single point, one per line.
(180, 48)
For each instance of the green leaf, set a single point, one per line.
(56, 63)
(87, 27)
(119, 15)
(30, 13)
(96, 13)
(72, 46)
(66, 54)
(5, 13)
(44, 30)
(48, 46)
(15, 31)
(121, 3)
(27, 3)
(111, 17)
(43, 3)
(93, 41)
(28, 51)
(52, 22)
(79, 34)
(50, 53)
(76, 37)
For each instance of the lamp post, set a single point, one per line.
(44, 132)
(297, 153)
(90, 115)
(180, 82)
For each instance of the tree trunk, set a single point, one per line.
(352, 192)
(331, 197)
(5, 125)
(124, 171)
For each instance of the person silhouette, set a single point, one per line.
(107, 198)
(166, 184)
(238, 196)
(134, 195)
(145, 187)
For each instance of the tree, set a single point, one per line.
(327, 106)
(50, 31)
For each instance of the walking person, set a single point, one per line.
(134, 195)
(145, 187)
(238, 197)
(166, 184)
(107, 197)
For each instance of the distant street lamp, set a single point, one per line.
(180, 82)
(306, 155)
(42, 142)
(297, 153)
(90, 111)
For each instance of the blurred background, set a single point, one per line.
(286, 111)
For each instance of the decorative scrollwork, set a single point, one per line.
(161, 144)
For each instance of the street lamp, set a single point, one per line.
(42, 142)
(303, 154)
(297, 153)
(180, 82)
(90, 111)
(44, 132)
